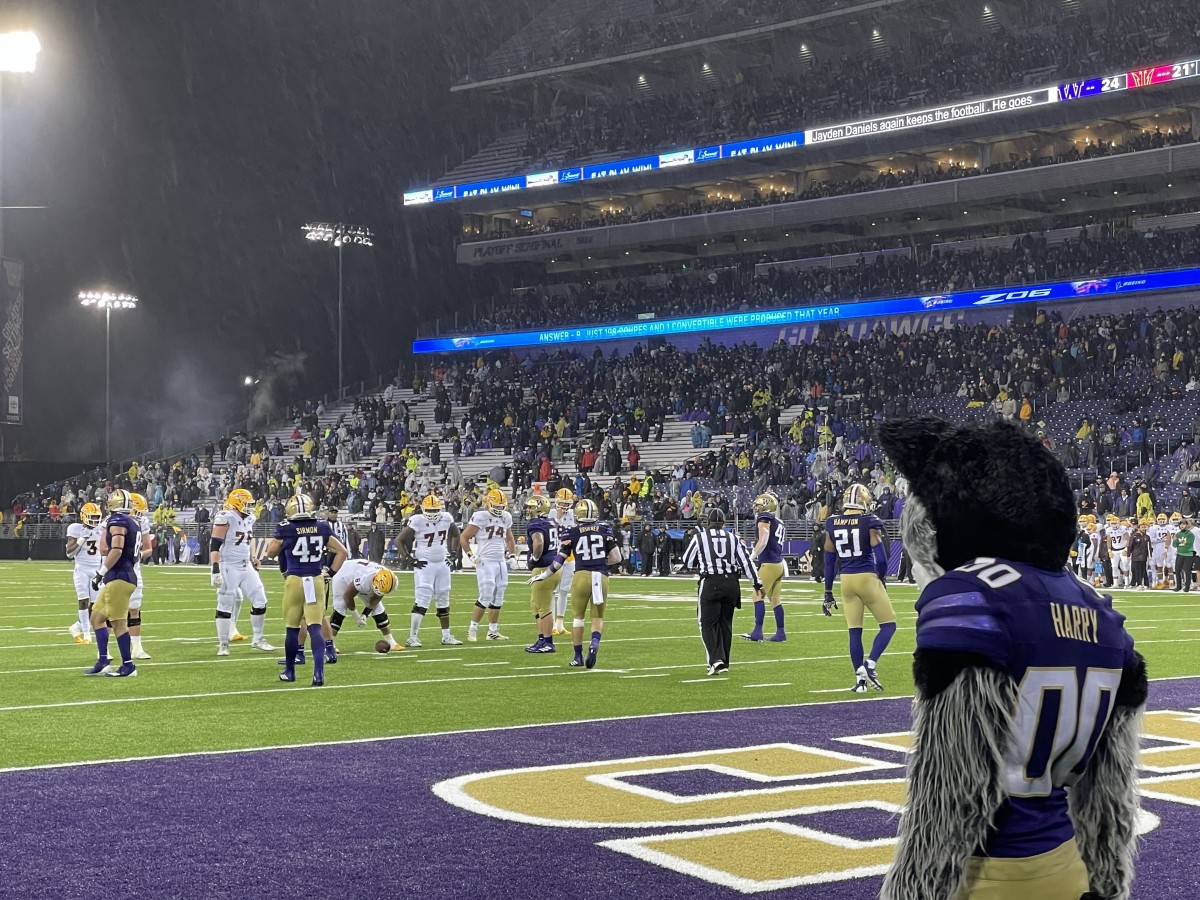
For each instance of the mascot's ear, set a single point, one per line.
(910, 442)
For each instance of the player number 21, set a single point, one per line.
(844, 539)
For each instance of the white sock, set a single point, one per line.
(445, 632)
(416, 623)
(223, 626)
(473, 627)
(259, 624)
(237, 612)
(135, 643)
(493, 627)
(391, 640)
(85, 622)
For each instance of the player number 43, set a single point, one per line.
(309, 548)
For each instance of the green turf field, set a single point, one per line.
(651, 660)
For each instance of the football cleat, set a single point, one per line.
(755, 636)
(82, 639)
(537, 645)
(237, 637)
(777, 638)
(127, 670)
(591, 657)
(287, 675)
(872, 677)
(860, 681)
(261, 644)
(577, 662)
(318, 682)
(330, 654)
(412, 641)
(451, 641)
(718, 668)
(299, 659)
(559, 627)
(545, 648)
(472, 637)
(139, 653)
(222, 649)
(496, 636)
(103, 664)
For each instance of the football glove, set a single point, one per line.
(360, 619)
(511, 564)
(420, 563)
(540, 576)
(829, 604)
(215, 578)
(97, 579)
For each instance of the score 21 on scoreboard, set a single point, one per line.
(955, 112)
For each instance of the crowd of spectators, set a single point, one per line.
(864, 84)
(1029, 259)
(892, 178)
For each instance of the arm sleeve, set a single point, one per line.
(830, 569)
(881, 560)
(1104, 802)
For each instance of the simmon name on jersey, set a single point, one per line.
(307, 529)
(1075, 622)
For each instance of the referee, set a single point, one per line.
(721, 558)
(339, 529)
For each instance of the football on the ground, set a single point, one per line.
(382, 646)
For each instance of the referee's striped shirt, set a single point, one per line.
(715, 551)
(341, 533)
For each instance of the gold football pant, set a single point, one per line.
(112, 603)
(1056, 875)
(865, 591)
(541, 593)
(586, 588)
(771, 576)
(295, 597)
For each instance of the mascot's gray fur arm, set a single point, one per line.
(961, 730)
(1104, 802)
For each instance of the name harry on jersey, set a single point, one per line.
(1075, 622)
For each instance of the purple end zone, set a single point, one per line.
(254, 825)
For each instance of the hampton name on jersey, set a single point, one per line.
(491, 540)
(851, 537)
(1053, 635)
(87, 538)
(235, 551)
(430, 544)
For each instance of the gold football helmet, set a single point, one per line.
(431, 506)
(1176, 518)
(140, 506)
(858, 497)
(536, 506)
(496, 502)
(301, 506)
(766, 503)
(1082, 522)
(1160, 519)
(1111, 519)
(586, 512)
(563, 498)
(384, 582)
(91, 515)
(240, 500)
(120, 501)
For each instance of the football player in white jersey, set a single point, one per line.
(141, 512)
(359, 587)
(1157, 533)
(1173, 523)
(426, 541)
(1118, 547)
(563, 517)
(83, 546)
(235, 569)
(495, 548)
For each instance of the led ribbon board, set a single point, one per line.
(1040, 293)
(955, 112)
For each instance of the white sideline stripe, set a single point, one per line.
(651, 675)
(486, 730)
(769, 684)
(469, 665)
(699, 681)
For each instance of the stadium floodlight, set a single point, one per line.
(339, 234)
(19, 51)
(107, 301)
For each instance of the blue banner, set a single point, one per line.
(648, 328)
(12, 303)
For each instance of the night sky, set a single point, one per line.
(180, 145)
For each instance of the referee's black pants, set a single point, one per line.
(719, 596)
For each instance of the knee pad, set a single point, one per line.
(258, 610)
(335, 620)
(478, 603)
(382, 622)
(134, 621)
(224, 614)
(419, 610)
(578, 623)
(443, 607)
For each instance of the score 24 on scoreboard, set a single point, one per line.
(968, 109)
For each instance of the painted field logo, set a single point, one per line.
(766, 817)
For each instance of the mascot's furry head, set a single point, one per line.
(979, 491)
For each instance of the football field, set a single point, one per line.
(437, 765)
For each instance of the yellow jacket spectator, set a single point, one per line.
(1085, 429)
(164, 515)
(1144, 506)
(1026, 413)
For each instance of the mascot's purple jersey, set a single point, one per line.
(1065, 647)
(851, 536)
